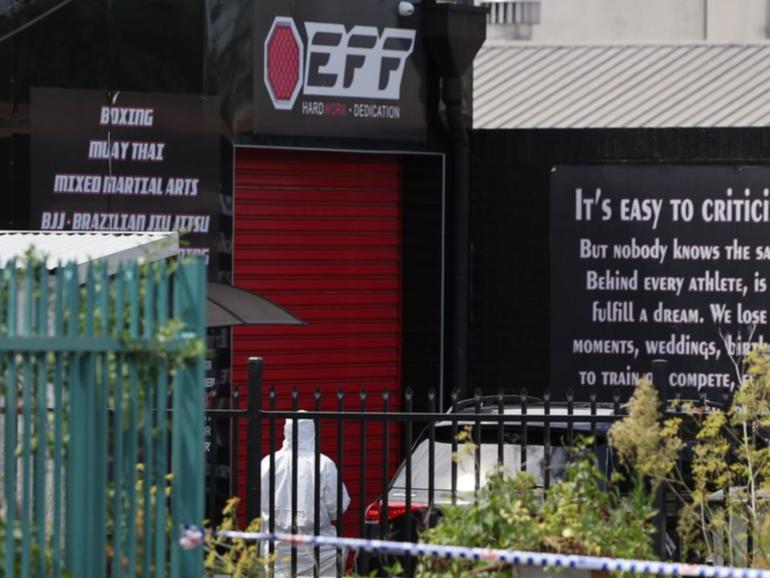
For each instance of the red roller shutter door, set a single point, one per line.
(320, 233)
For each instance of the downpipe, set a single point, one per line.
(452, 96)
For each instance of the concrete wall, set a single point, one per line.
(571, 21)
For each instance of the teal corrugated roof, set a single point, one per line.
(61, 247)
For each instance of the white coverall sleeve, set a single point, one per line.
(329, 496)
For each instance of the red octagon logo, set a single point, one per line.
(283, 63)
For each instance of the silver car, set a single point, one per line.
(536, 440)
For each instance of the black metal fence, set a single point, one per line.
(398, 466)
(422, 459)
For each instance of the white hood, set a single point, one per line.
(306, 438)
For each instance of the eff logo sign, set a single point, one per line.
(362, 62)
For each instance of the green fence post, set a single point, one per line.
(149, 329)
(88, 388)
(161, 404)
(58, 451)
(9, 279)
(117, 429)
(41, 431)
(132, 454)
(100, 395)
(187, 426)
(26, 454)
(77, 462)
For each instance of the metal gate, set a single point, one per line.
(101, 385)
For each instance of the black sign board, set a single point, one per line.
(651, 262)
(352, 68)
(127, 162)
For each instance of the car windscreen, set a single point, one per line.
(466, 459)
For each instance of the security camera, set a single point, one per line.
(405, 9)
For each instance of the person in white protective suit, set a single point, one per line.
(327, 556)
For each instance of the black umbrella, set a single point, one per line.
(228, 305)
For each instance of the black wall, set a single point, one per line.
(421, 275)
(134, 45)
(162, 46)
(510, 174)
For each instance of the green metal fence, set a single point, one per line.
(101, 399)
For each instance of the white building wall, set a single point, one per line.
(577, 21)
(738, 20)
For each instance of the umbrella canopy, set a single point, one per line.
(228, 305)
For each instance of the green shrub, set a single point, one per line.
(232, 557)
(34, 568)
(715, 461)
(580, 514)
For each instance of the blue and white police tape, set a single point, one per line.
(192, 537)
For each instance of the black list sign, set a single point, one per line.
(126, 162)
(657, 262)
